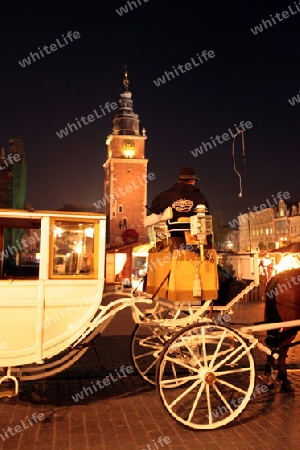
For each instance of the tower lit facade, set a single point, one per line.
(125, 185)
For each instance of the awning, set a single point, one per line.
(294, 247)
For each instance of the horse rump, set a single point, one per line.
(282, 304)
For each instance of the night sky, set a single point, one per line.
(250, 79)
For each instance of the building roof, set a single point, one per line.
(294, 247)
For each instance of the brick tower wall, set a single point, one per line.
(128, 190)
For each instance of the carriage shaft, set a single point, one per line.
(270, 326)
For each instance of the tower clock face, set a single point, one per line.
(127, 144)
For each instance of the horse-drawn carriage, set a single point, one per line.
(51, 309)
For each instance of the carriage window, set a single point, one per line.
(73, 249)
(20, 253)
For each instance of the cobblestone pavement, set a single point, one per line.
(127, 413)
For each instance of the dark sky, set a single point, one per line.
(250, 78)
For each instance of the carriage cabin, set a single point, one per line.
(51, 281)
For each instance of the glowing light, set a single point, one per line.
(58, 231)
(230, 245)
(89, 232)
(267, 261)
(78, 248)
(128, 153)
(277, 262)
(287, 262)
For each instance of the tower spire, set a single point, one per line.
(126, 81)
(126, 122)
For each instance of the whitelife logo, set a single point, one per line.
(258, 209)
(128, 188)
(26, 423)
(275, 292)
(221, 410)
(9, 160)
(86, 120)
(292, 101)
(225, 136)
(13, 250)
(121, 373)
(53, 47)
(62, 313)
(195, 62)
(265, 24)
(124, 9)
(161, 441)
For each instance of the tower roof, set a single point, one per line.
(126, 122)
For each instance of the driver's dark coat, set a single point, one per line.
(183, 198)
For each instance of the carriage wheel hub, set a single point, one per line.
(210, 378)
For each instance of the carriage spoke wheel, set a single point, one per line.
(147, 342)
(214, 371)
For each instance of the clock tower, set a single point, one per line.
(125, 185)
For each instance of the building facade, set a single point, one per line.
(257, 230)
(270, 228)
(12, 195)
(13, 175)
(287, 222)
(125, 184)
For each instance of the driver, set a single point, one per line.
(183, 197)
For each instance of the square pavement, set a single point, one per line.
(127, 414)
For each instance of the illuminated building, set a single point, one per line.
(270, 228)
(125, 185)
(125, 190)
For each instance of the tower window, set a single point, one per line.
(128, 148)
(123, 224)
(120, 209)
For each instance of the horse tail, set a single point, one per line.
(271, 311)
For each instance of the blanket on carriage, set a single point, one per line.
(180, 275)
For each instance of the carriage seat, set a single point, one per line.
(181, 221)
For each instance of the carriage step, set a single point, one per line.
(8, 393)
(10, 386)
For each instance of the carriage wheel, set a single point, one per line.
(147, 342)
(215, 375)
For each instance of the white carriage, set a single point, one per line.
(51, 287)
(51, 309)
